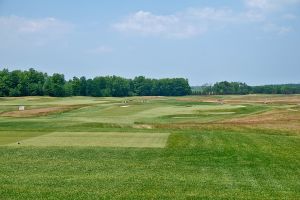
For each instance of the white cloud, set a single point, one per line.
(36, 31)
(270, 5)
(25, 25)
(252, 16)
(261, 4)
(186, 24)
(211, 14)
(271, 8)
(101, 50)
(146, 23)
(280, 30)
(289, 16)
(196, 21)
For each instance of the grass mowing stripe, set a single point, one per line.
(103, 139)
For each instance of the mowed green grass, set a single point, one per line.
(100, 139)
(162, 148)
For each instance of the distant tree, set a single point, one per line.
(83, 86)
(5, 82)
(35, 81)
(58, 84)
(76, 86)
(120, 87)
(54, 85)
(226, 87)
(48, 87)
(99, 87)
(32, 83)
(68, 88)
(89, 87)
(14, 92)
(142, 86)
(180, 87)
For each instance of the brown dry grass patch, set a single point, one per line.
(39, 111)
(143, 126)
(290, 128)
(288, 99)
(286, 120)
(274, 116)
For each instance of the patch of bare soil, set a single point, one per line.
(38, 111)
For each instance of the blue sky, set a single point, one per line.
(253, 41)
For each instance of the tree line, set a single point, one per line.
(225, 87)
(34, 83)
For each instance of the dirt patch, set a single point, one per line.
(39, 111)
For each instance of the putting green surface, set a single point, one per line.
(101, 139)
